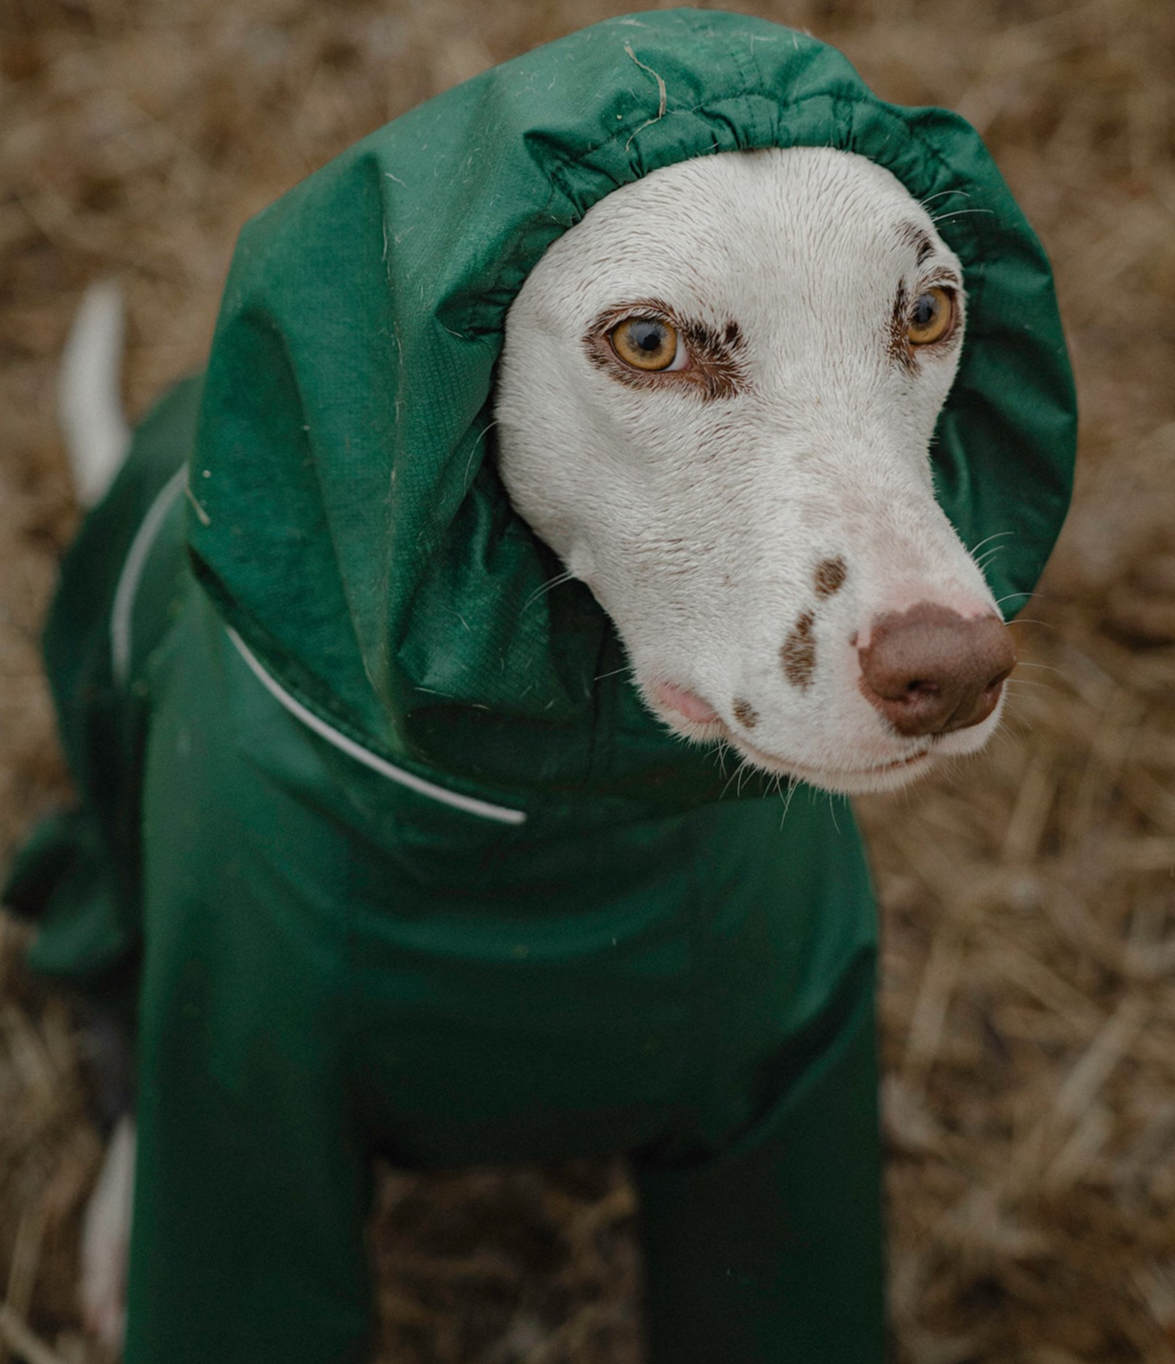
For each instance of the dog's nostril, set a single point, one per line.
(1002, 676)
(929, 670)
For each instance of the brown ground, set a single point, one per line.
(1029, 974)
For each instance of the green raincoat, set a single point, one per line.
(382, 836)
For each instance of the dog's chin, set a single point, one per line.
(841, 780)
(903, 770)
(845, 781)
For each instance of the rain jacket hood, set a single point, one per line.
(344, 509)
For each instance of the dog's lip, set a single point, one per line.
(806, 772)
(686, 704)
(705, 723)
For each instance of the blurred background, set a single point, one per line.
(1028, 1001)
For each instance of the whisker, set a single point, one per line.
(481, 435)
(624, 668)
(999, 535)
(792, 786)
(984, 559)
(832, 811)
(959, 213)
(729, 779)
(942, 194)
(1025, 596)
(557, 581)
(744, 767)
(1044, 667)
(987, 553)
(1014, 719)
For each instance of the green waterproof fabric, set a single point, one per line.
(397, 861)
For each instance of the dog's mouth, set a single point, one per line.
(847, 780)
(696, 719)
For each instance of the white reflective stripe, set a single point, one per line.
(122, 614)
(470, 804)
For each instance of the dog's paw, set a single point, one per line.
(106, 1233)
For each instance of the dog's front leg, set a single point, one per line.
(771, 1250)
(252, 1181)
(252, 1184)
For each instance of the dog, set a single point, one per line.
(744, 443)
(715, 410)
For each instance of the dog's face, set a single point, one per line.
(716, 401)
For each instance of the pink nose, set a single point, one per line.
(929, 670)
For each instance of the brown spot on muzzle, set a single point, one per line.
(830, 576)
(917, 237)
(745, 713)
(798, 652)
(929, 670)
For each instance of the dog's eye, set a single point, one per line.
(931, 317)
(648, 343)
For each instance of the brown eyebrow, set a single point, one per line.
(919, 239)
(716, 367)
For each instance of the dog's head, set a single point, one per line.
(716, 404)
(717, 399)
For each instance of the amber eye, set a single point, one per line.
(646, 343)
(931, 317)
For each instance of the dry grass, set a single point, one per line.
(1029, 974)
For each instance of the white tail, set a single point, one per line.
(89, 404)
(106, 1235)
